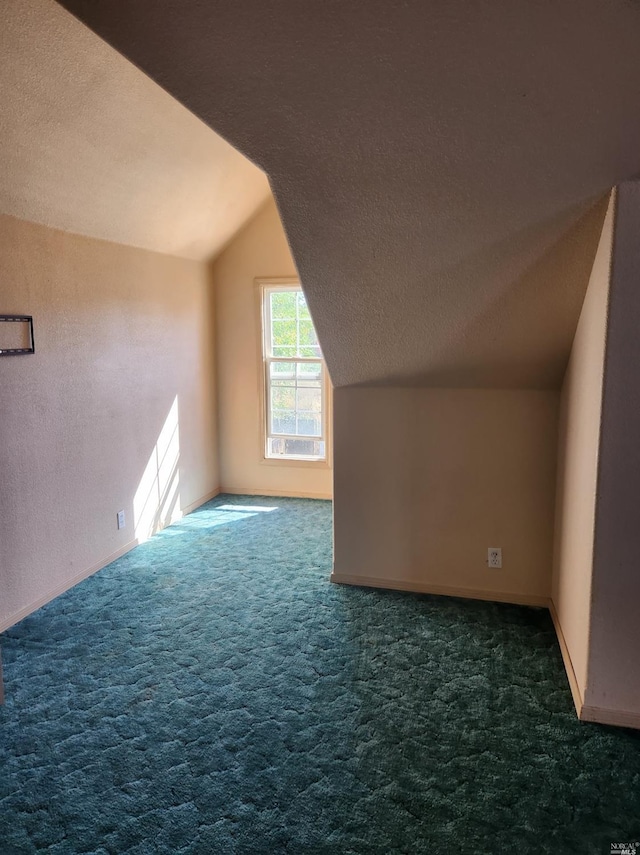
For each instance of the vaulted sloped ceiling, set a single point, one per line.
(436, 165)
(89, 144)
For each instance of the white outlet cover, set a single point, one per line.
(494, 557)
(121, 522)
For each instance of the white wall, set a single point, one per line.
(259, 250)
(115, 410)
(427, 479)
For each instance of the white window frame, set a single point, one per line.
(264, 287)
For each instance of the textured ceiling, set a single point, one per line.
(91, 145)
(431, 161)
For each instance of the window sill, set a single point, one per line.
(294, 462)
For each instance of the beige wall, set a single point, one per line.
(91, 145)
(259, 250)
(124, 353)
(426, 480)
(578, 446)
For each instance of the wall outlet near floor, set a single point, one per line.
(121, 522)
(494, 557)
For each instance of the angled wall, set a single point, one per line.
(596, 586)
(577, 482)
(613, 684)
(115, 410)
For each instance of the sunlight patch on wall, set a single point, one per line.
(156, 503)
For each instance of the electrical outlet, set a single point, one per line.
(494, 557)
(121, 522)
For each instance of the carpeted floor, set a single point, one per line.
(212, 692)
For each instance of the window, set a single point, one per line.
(295, 385)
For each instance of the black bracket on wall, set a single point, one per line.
(20, 319)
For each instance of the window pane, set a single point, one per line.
(308, 424)
(283, 421)
(284, 351)
(306, 379)
(306, 374)
(295, 389)
(284, 333)
(306, 333)
(309, 352)
(283, 304)
(308, 400)
(282, 372)
(303, 309)
(309, 371)
(295, 399)
(291, 331)
(283, 398)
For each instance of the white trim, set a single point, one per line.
(275, 281)
(65, 586)
(24, 612)
(585, 712)
(289, 283)
(576, 694)
(282, 494)
(201, 501)
(296, 462)
(617, 718)
(589, 712)
(439, 590)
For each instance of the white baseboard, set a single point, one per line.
(201, 501)
(440, 590)
(585, 712)
(576, 694)
(617, 718)
(64, 586)
(282, 494)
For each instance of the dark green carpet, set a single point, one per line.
(212, 692)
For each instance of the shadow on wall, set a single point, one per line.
(156, 503)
